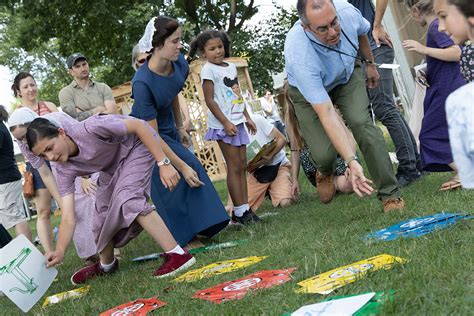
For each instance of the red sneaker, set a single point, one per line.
(173, 264)
(92, 271)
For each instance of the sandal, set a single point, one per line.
(452, 184)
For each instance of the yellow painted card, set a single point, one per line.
(327, 282)
(56, 298)
(218, 268)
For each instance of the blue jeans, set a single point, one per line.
(386, 112)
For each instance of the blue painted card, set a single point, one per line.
(417, 227)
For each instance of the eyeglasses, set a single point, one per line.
(323, 30)
(141, 61)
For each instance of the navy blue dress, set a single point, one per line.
(186, 211)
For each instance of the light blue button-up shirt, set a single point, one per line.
(316, 70)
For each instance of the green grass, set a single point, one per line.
(315, 238)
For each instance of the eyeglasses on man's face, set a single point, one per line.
(323, 30)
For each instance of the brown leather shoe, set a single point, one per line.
(393, 205)
(325, 187)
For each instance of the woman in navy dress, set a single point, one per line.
(193, 207)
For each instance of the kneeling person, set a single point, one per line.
(273, 175)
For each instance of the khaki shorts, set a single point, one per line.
(12, 210)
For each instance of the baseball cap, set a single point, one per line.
(71, 60)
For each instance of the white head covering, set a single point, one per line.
(147, 38)
(22, 116)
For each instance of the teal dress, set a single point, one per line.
(186, 211)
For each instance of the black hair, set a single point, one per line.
(3, 114)
(230, 82)
(16, 82)
(38, 129)
(164, 27)
(465, 6)
(199, 42)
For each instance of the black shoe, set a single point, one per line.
(248, 217)
(404, 180)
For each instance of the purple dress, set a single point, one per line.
(443, 77)
(125, 167)
(83, 237)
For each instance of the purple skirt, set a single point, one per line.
(241, 139)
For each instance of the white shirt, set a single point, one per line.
(227, 93)
(263, 136)
(460, 115)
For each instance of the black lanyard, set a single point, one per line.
(340, 52)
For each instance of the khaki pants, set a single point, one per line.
(352, 101)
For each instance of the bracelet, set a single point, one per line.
(294, 150)
(181, 127)
(350, 159)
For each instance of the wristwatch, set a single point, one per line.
(348, 161)
(164, 162)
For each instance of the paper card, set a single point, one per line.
(218, 268)
(237, 289)
(342, 306)
(389, 66)
(327, 282)
(374, 306)
(417, 227)
(24, 277)
(140, 307)
(223, 245)
(193, 251)
(60, 297)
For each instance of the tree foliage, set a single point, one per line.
(38, 35)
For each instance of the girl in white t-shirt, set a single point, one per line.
(226, 116)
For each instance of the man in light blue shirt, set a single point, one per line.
(322, 53)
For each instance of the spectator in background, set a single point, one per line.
(271, 111)
(84, 97)
(12, 212)
(24, 87)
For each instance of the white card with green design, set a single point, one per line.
(24, 277)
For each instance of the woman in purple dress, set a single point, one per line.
(84, 188)
(124, 151)
(443, 76)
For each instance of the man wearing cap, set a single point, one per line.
(85, 97)
(322, 58)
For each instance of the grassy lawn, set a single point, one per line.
(314, 238)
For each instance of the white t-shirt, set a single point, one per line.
(227, 93)
(460, 116)
(263, 136)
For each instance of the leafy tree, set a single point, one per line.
(38, 35)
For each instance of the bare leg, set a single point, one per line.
(234, 172)
(43, 207)
(23, 228)
(154, 225)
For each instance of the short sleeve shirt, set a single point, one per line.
(316, 70)
(78, 102)
(227, 93)
(262, 137)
